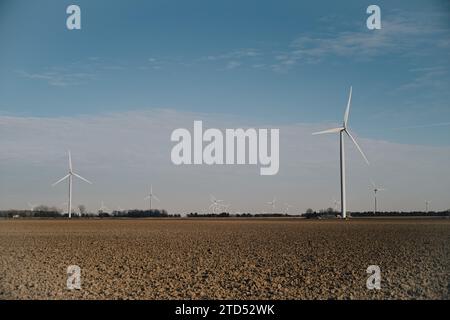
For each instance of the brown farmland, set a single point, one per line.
(225, 259)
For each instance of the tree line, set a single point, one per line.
(43, 211)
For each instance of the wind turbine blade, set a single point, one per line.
(147, 197)
(357, 146)
(334, 130)
(70, 162)
(212, 198)
(156, 198)
(60, 180)
(80, 177)
(373, 183)
(347, 110)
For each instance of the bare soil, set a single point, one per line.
(225, 259)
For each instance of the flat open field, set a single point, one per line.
(225, 259)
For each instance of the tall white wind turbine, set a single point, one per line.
(151, 195)
(375, 190)
(69, 176)
(341, 131)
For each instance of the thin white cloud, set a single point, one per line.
(403, 34)
(58, 78)
(233, 65)
(235, 54)
(429, 77)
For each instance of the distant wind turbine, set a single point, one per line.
(103, 208)
(335, 204)
(375, 190)
(287, 206)
(32, 206)
(215, 203)
(150, 196)
(427, 203)
(70, 175)
(272, 204)
(226, 206)
(341, 131)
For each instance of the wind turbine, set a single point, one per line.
(70, 175)
(151, 196)
(103, 208)
(272, 204)
(341, 131)
(226, 207)
(375, 190)
(335, 203)
(32, 206)
(427, 203)
(287, 206)
(215, 203)
(64, 204)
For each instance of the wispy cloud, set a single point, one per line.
(403, 34)
(233, 65)
(234, 59)
(58, 77)
(427, 125)
(235, 54)
(436, 77)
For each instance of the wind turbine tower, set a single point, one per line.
(344, 131)
(70, 176)
(215, 203)
(375, 190)
(272, 204)
(151, 195)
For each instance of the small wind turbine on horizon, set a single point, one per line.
(70, 176)
(427, 203)
(32, 206)
(287, 206)
(150, 196)
(215, 203)
(341, 131)
(103, 208)
(375, 190)
(272, 204)
(335, 204)
(225, 206)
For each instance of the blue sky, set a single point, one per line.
(233, 57)
(277, 63)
